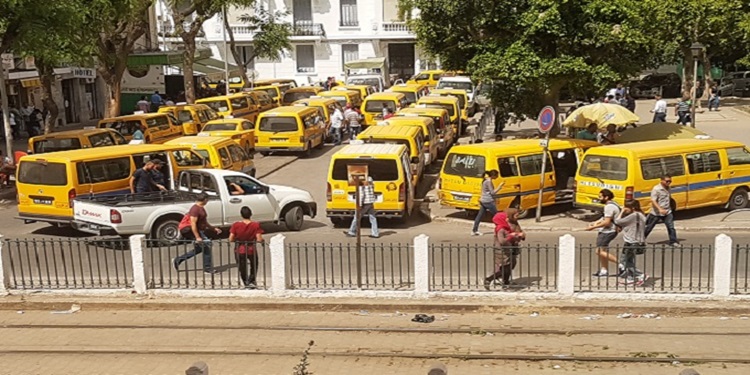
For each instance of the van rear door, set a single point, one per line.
(44, 188)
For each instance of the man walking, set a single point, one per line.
(661, 209)
(660, 110)
(156, 101)
(607, 231)
(352, 117)
(194, 226)
(682, 111)
(142, 180)
(337, 119)
(367, 200)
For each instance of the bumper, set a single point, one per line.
(279, 148)
(378, 213)
(55, 220)
(96, 229)
(589, 206)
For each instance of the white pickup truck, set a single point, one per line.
(158, 214)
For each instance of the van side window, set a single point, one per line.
(119, 139)
(184, 116)
(101, 140)
(161, 122)
(703, 162)
(141, 159)
(507, 167)
(239, 103)
(226, 162)
(186, 158)
(532, 164)
(247, 125)
(252, 100)
(659, 167)
(738, 156)
(92, 172)
(237, 154)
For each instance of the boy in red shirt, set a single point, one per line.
(193, 227)
(245, 234)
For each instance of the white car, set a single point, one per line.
(158, 214)
(461, 83)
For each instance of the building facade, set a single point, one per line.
(326, 34)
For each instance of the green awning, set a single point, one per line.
(213, 69)
(372, 63)
(164, 57)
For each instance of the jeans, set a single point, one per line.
(483, 208)
(242, 259)
(354, 131)
(668, 221)
(683, 118)
(660, 117)
(336, 132)
(628, 260)
(368, 210)
(200, 248)
(714, 103)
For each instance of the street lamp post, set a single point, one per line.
(696, 50)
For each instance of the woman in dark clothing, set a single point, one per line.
(246, 234)
(508, 234)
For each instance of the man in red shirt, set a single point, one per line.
(193, 227)
(245, 234)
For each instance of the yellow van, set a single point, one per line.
(411, 137)
(221, 152)
(413, 92)
(429, 133)
(442, 123)
(372, 107)
(450, 104)
(520, 165)
(265, 102)
(429, 78)
(704, 173)
(283, 82)
(276, 92)
(157, 127)
(292, 128)
(237, 129)
(74, 140)
(297, 93)
(326, 106)
(364, 90)
(344, 97)
(388, 166)
(234, 105)
(48, 183)
(192, 116)
(463, 101)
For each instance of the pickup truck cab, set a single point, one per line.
(158, 214)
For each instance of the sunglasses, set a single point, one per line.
(668, 181)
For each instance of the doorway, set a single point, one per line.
(401, 60)
(69, 95)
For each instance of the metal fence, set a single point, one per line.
(740, 270)
(161, 273)
(384, 266)
(667, 269)
(86, 263)
(467, 267)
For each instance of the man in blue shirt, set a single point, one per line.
(156, 101)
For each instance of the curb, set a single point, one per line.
(527, 228)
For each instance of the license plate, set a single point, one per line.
(278, 139)
(43, 201)
(378, 198)
(461, 198)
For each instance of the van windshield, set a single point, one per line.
(378, 169)
(271, 92)
(466, 86)
(410, 97)
(278, 124)
(291, 97)
(56, 144)
(604, 167)
(157, 122)
(446, 106)
(42, 173)
(219, 127)
(461, 99)
(363, 82)
(464, 165)
(376, 106)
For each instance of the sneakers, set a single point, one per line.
(475, 233)
(346, 232)
(621, 271)
(630, 280)
(210, 272)
(176, 264)
(601, 273)
(487, 284)
(674, 243)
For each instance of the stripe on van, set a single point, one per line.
(698, 186)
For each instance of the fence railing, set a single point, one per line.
(224, 265)
(475, 267)
(719, 269)
(386, 266)
(660, 269)
(49, 263)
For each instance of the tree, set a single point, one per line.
(535, 48)
(115, 26)
(189, 17)
(271, 36)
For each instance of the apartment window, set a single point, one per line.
(349, 52)
(246, 53)
(305, 59)
(349, 16)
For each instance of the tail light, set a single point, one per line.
(628, 193)
(71, 196)
(439, 183)
(575, 186)
(256, 139)
(329, 195)
(402, 192)
(302, 139)
(115, 217)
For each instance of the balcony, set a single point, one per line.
(395, 27)
(308, 29)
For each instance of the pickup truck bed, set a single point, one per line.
(140, 199)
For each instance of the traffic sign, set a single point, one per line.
(546, 119)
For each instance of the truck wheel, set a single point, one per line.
(294, 218)
(167, 232)
(738, 199)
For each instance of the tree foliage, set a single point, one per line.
(533, 49)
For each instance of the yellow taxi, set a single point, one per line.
(297, 93)
(74, 140)
(429, 78)
(283, 82)
(519, 163)
(235, 105)
(450, 104)
(290, 128)
(265, 102)
(703, 172)
(192, 116)
(463, 101)
(221, 153)
(409, 136)
(442, 123)
(326, 106)
(237, 129)
(344, 97)
(275, 92)
(156, 127)
(388, 166)
(412, 92)
(373, 107)
(430, 134)
(364, 90)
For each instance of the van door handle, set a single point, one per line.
(235, 200)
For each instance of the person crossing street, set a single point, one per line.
(367, 199)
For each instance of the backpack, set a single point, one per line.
(618, 228)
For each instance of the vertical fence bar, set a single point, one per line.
(566, 265)
(422, 264)
(136, 254)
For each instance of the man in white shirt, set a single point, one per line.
(337, 118)
(660, 110)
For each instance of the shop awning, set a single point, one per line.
(31, 82)
(213, 69)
